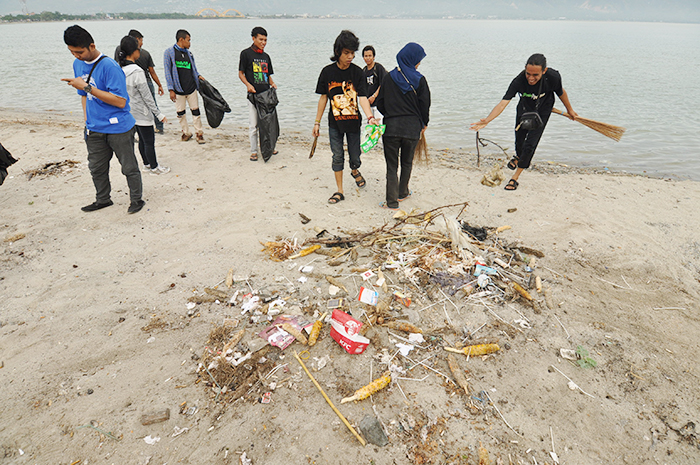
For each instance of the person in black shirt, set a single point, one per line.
(183, 81)
(404, 100)
(255, 71)
(374, 74)
(534, 96)
(343, 83)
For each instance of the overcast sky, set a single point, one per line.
(631, 10)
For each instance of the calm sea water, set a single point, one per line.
(644, 76)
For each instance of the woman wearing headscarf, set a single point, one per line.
(141, 102)
(404, 100)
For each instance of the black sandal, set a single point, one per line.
(335, 198)
(512, 185)
(359, 180)
(513, 163)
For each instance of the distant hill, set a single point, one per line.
(626, 10)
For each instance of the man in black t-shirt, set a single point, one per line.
(183, 81)
(255, 71)
(344, 84)
(536, 85)
(374, 74)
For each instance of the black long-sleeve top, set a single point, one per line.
(405, 115)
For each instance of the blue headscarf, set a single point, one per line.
(409, 56)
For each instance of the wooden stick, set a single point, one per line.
(337, 412)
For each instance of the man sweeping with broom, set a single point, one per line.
(536, 85)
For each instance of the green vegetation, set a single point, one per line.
(56, 16)
(584, 361)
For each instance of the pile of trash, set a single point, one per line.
(398, 288)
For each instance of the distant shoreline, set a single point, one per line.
(47, 16)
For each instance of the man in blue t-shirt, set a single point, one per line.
(109, 126)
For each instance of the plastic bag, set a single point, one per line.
(214, 104)
(370, 136)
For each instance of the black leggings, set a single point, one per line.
(147, 145)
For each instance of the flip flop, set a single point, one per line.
(512, 185)
(359, 180)
(387, 207)
(410, 193)
(253, 157)
(335, 198)
(513, 163)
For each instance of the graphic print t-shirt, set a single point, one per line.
(374, 78)
(184, 72)
(257, 68)
(529, 94)
(344, 87)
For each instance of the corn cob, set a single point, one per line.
(522, 291)
(373, 387)
(403, 326)
(294, 332)
(316, 330)
(306, 251)
(476, 350)
(458, 373)
(538, 283)
(337, 283)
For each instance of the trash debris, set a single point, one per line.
(368, 296)
(458, 374)
(151, 440)
(405, 301)
(345, 330)
(155, 417)
(373, 432)
(316, 330)
(476, 350)
(372, 388)
(494, 177)
(177, 431)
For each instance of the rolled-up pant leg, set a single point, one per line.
(193, 102)
(180, 107)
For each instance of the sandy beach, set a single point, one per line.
(95, 331)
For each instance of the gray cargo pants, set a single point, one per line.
(100, 148)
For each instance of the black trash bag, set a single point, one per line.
(268, 125)
(214, 104)
(5, 161)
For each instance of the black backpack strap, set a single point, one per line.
(93, 69)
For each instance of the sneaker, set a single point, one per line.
(200, 139)
(96, 206)
(146, 169)
(186, 137)
(160, 169)
(136, 207)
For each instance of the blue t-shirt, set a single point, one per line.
(102, 117)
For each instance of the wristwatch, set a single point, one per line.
(88, 89)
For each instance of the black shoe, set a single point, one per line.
(136, 207)
(96, 206)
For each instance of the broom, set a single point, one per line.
(608, 130)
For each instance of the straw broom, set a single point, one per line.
(608, 130)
